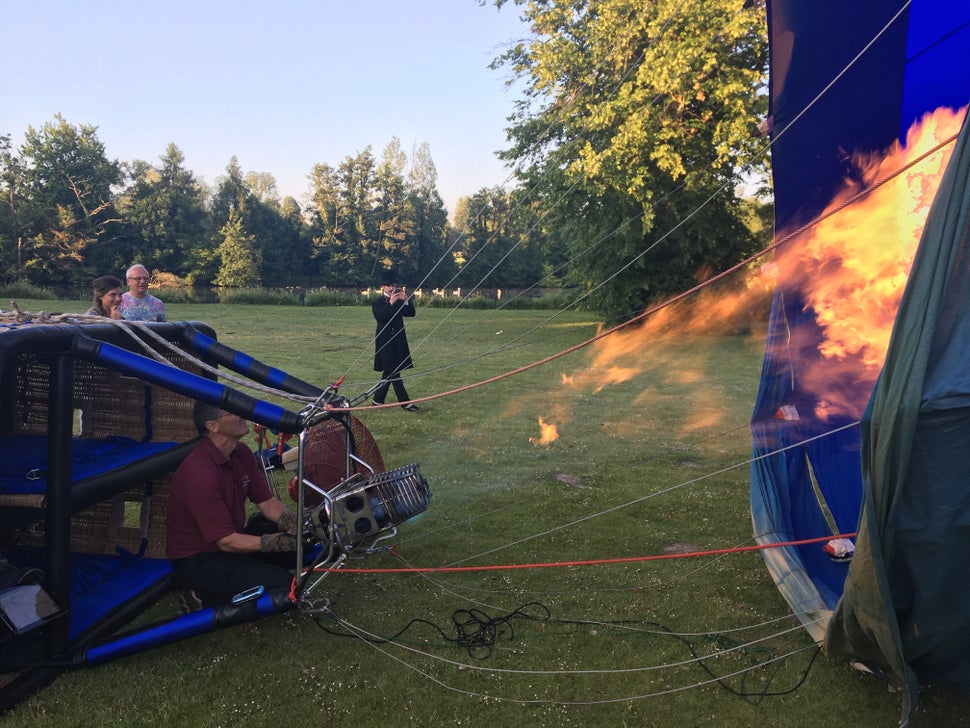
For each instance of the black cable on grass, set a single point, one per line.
(474, 630)
(756, 656)
(477, 633)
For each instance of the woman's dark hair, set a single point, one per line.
(101, 285)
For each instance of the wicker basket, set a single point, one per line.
(106, 403)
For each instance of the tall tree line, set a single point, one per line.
(69, 214)
(635, 119)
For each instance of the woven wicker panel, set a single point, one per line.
(22, 500)
(109, 403)
(158, 516)
(31, 403)
(118, 522)
(171, 416)
(171, 412)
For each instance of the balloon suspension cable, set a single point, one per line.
(363, 397)
(320, 408)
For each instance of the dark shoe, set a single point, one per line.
(376, 402)
(189, 601)
(410, 407)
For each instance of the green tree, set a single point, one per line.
(369, 214)
(280, 235)
(262, 186)
(501, 243)
(537, 259)
(282, 239)
(164, 207)
(636, 117)
(67, 185)
(324, 218)
(232, 196)
(231, 192)
(343, 201)
(297, 245)
(11, 204)
(484, 222)
(430, 220)
(390, 240)
(238, 255)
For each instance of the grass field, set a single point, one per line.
(650, 459)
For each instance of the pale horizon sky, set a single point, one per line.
(282, 86)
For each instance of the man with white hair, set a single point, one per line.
(137, 304)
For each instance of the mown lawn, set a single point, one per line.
(650, 459)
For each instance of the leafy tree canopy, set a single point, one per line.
(636, 117)
(635, 120)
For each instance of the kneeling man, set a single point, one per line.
(214, 554)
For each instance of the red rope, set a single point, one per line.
(591, 562)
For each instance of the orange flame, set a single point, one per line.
(548, 433)
(849, 268)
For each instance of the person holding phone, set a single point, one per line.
(392, 355)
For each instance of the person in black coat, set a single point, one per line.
(391, 352)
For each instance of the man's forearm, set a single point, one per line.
(239, 543)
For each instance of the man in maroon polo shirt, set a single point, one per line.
(214, 554)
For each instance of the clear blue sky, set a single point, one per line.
(280, 84)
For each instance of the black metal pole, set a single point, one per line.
(57, 516)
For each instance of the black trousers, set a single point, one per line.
(389, 379)
(217, 576)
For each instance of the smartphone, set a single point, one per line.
(253, 593)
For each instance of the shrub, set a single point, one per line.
(261, 296)
(475, 302)
(172, 295)
(26, 289)
(332, 297)
(546, 302)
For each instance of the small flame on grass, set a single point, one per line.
(548, 433)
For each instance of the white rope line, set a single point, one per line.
(450, 585)
(593, 671)
(547, 212)
(652, 494)
(727, 630)
(369, 638)
(467, 592)
(442, 583)
(227, 375)
(726, 185)
(633, 66)
(128, 327)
